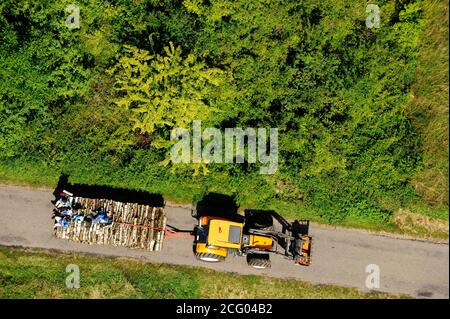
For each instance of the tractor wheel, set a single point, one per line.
(209, 257)
(258, 261)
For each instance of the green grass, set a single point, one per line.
(32, 273)
(429, 105)
(428, 109)
(28, 175)
(41, 175)
(333, 170)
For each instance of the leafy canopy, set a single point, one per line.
(164, 91)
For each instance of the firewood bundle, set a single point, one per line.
(130, 224)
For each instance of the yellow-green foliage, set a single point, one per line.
(164, 91)
(429, 104)
(337, 91)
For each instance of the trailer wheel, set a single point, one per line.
(258, 261)
(209, 257)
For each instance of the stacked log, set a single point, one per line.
(133, 225)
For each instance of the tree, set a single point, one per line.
(165, 91)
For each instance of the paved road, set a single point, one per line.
(420, 269)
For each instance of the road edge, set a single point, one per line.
(315, 224)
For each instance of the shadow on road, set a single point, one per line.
(218, 205)
(107, 192)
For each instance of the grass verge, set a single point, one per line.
(428, 105)
(33, 273)
(420, 222)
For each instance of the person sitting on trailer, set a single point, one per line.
(65, 200)
(102, 218)
(77, 218)
(61, 222)
(68, 212)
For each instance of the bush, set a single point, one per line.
(335, 90)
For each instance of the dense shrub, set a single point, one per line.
(335, 89)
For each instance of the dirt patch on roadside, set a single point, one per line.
(417, 224)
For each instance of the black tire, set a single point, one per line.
(258, 261)
(209, 257)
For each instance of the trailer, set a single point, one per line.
(109, 222)
(216, 235)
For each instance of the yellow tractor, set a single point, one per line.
(252, 236)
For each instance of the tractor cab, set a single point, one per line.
(216, 237)
(221, 231)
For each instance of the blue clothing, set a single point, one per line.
(101, 218)
(68, 212)
(64, 222)
(78, 218)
